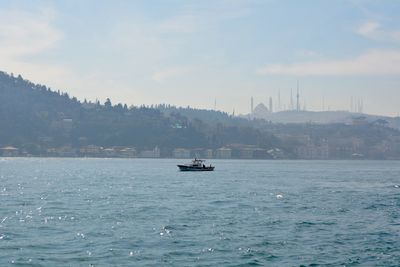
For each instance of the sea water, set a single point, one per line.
(143, 212)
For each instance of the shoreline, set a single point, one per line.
(188, 159)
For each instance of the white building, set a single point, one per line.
(155, 153)
(223, 153)
(181, 153)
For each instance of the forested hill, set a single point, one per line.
(211, 117)
(34, 118)
(38, 121)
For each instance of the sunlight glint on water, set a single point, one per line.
(121, 212)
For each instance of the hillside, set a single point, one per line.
(35, 118)
(42, 122)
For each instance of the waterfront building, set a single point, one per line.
(223, 153)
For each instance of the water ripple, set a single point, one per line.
(103, 212)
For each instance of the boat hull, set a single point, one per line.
(185, 168)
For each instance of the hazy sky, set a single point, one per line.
(192, 52)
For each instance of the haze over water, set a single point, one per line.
(138, 212)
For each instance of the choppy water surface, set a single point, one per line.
(115, 212)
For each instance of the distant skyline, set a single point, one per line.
(195, 52)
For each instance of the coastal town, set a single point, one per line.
(53, 124)
(306, 148)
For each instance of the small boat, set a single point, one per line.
(196, 165)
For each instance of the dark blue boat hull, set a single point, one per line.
(185, 168)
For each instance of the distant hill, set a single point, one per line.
(319, 117)
(211, 117)
(36, 120)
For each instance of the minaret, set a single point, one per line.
(351, 104)
(252, 105)
(270, 105)
(215, 104)
(291, 99)
(362, 106)
(298, 97)
(279, 100)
